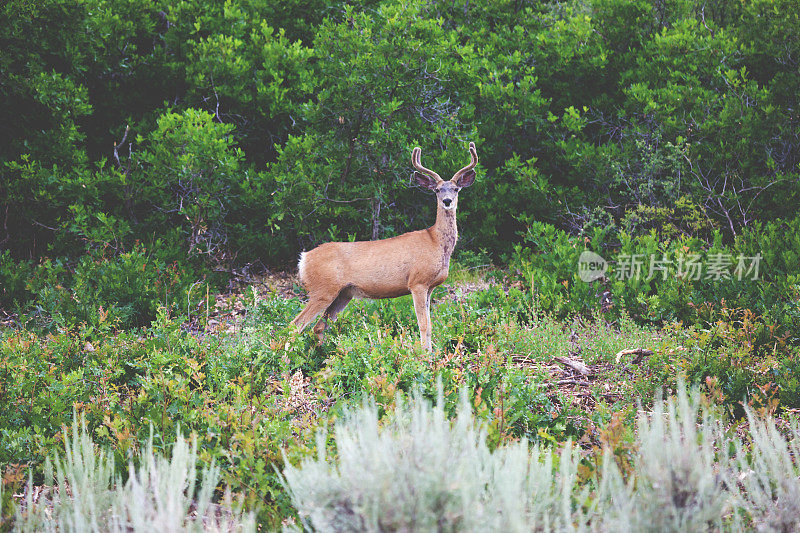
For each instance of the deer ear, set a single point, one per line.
(424, 181)
(466, 179)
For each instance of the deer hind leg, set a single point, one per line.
(316, 304)
(339, 303)
(420, 296)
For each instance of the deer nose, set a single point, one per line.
(447, 202)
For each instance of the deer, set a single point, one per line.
(412, 263)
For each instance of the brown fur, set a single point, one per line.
(413, 263)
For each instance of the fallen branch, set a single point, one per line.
(577, 366)
(640, 353)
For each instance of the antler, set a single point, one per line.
(474, 156)
(416, 161)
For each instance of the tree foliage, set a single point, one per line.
(248, 130)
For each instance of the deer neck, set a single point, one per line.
(445, 230)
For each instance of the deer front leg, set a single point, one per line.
(428, 318)
(420, 296)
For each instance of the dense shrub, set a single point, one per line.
(118, 292)
(13, 282)
(650, 277)
(257, 130)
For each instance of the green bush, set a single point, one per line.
(258, 130)
(548, 262)
(13, 282)
(119, 292)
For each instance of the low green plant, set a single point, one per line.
(254, 392)
(650, 279)
(122, 291)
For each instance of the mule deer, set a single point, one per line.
(412, 263)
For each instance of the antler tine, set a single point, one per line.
(416, 160)
(473, 154)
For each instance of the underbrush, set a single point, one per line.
(660, 279)
(253, 395)
(101, 292)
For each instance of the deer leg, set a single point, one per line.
(315, 305)
(319, 328)
(428, 318)
(420, 296)
(333, 309)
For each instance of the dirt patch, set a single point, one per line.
(8, 320)
(285, 284)
(580, 386)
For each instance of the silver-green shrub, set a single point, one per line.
(82, 493)
(680, 471)
(420, 472)
(769, 475)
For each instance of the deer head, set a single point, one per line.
(446, 191)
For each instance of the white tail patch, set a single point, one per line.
(301, 266)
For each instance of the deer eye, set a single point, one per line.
(438, 190)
